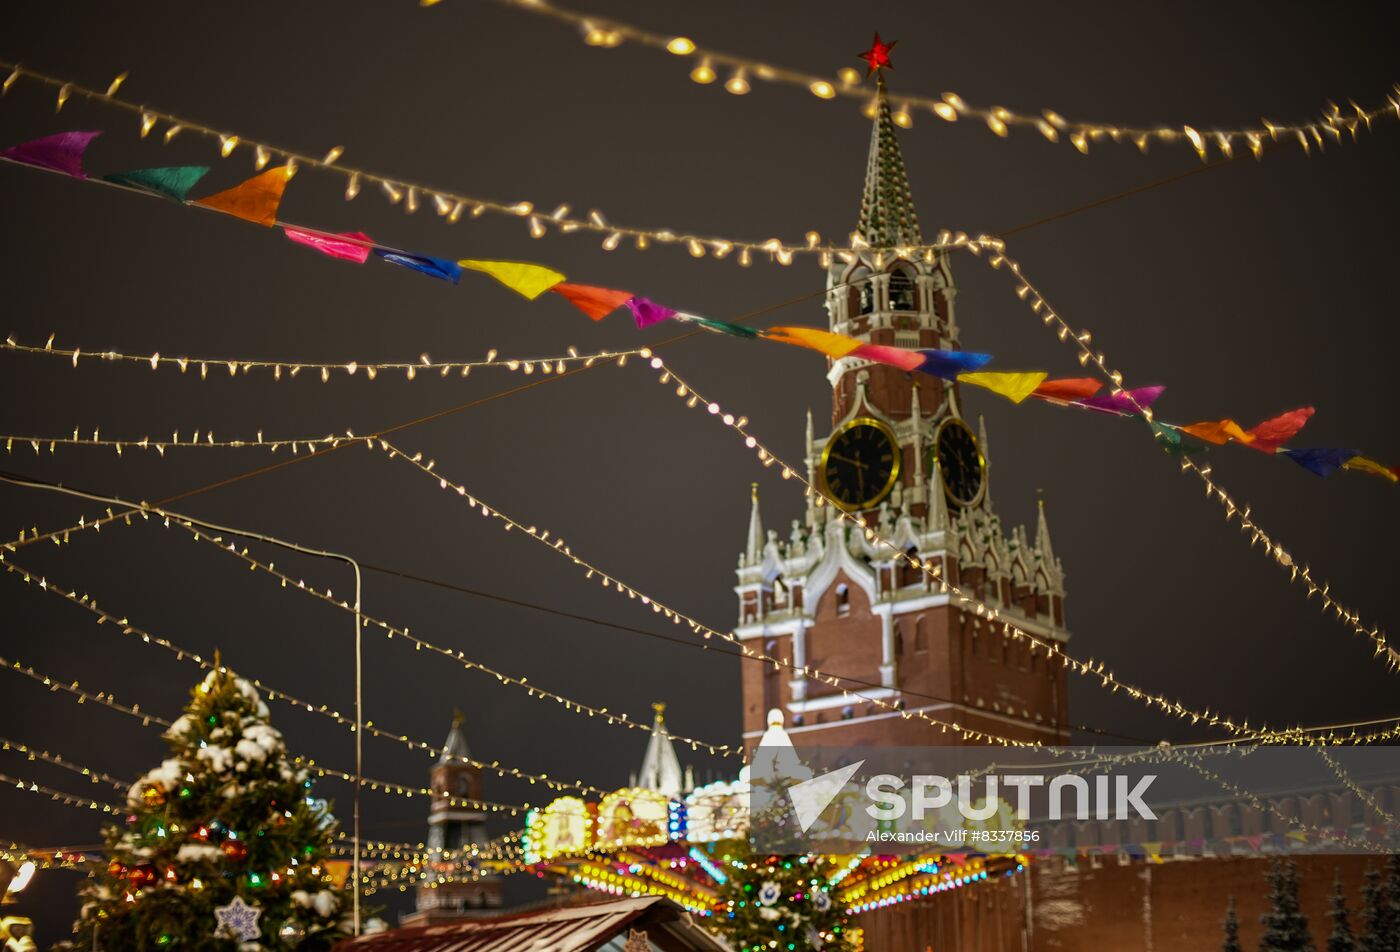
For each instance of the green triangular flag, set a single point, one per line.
(173, 181)
(723, 327)
(1170, 439)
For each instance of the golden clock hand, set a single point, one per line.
(847, 459)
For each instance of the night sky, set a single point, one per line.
(1249, 289)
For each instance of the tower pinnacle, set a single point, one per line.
(753, 547)
(887, 217)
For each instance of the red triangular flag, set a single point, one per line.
(597, 303)
(1271, 434)
(1073, 388)
(255, 200)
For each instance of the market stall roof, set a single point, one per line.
(588, 928)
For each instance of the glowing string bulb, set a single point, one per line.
(822, 89)
(172, 132)
(64, 92)
(261, 157)
(10, 81)
(902, 118)
(116, 84)
(335, 153)
(681, 46)
(148, 122)
(227, 144)
(945, 111)
(848, 76)
(704, 74)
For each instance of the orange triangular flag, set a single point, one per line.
(1218, 432)
(255, 200)
(597, 303)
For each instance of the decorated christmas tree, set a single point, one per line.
(1232, 929)
(223, 849)
(781, 899)
(1285, 926)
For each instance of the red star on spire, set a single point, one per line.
(878, 56)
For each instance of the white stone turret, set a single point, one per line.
(661, 768)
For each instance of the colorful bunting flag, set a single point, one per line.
(723, 327)
(1072, 388)
(1013, 386)
(1218, 432)
(1272, 433)
(903, 358)
(1169, 438)
(1323, 461)
(173, 181)
(356, 250)
(834, 346)
(255, 200)
(597, 303)
(62, 152)
(647, 312)
(1367, 465)
(1120, 403)
(424, 264)
(949, 363)
(527, 280)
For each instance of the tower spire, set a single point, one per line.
(887, 217)
(661, 768)
(1042, 534)
(753, 547)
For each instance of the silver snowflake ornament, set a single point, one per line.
(238, 920)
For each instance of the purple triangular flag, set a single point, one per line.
(1119, 402)
(648, 312)
(60, 153)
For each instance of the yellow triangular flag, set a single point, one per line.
(834, 346)
(529, 280)
(1013, 386)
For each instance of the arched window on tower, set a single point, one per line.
(903, 294)
(860, 296)
(843, 599)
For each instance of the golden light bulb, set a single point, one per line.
(227, 144)
(822, 89)
(848, 76)
(681, 46)
(903, 119)
(945, 111)
(703, 74)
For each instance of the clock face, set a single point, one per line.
(956, 451)
(860, 463)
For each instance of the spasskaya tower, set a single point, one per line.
(901, 451)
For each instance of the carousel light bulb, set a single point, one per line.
(335, 153)
(822, 89)
(681, 46)
(902, 118)
(227, 144)
(704, 74)
(848, 76)
(148, 122)
(116, 84)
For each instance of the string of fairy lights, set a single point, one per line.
(125, 626)
(1332, 125)
(392, 631)
(1234, 511)
(449, 205)
(48, 757)
(238, 366)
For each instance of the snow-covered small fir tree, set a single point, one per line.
(1285, 926)
(1232, 929)
(222, 848)
(1340, 939)
(1374, 899)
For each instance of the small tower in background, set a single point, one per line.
(456, 823)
